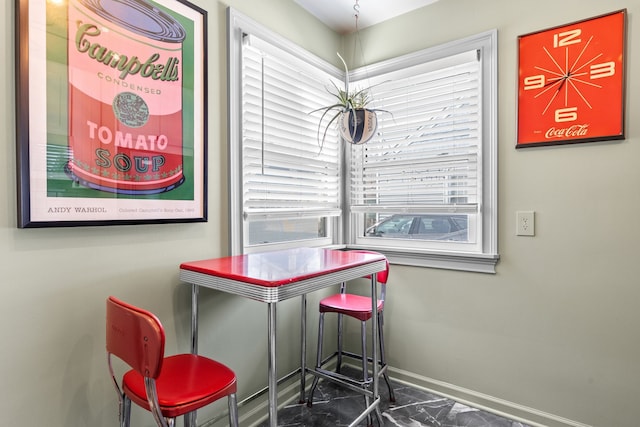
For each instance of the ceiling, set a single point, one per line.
(340, 14)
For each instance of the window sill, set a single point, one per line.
(478, 263)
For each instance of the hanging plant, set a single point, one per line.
(357, 124)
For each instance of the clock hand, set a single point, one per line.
(555, 81)
(555, 94)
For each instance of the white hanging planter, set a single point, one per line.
(358, 126)
(356, 123)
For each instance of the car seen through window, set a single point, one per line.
(424, 227)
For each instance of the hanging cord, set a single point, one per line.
(356, 8)
(357, 46)
(356, 39)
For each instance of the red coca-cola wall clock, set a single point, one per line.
(571, 82)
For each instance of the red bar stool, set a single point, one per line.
(166, 386)
(358, 307)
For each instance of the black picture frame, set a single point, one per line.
(111, 112)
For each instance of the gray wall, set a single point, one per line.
(553, 330)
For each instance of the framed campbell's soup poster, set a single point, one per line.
(111, 112)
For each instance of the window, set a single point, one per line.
(423, 191)
(431, 170)
(285, 190)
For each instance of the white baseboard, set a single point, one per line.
(514, 411)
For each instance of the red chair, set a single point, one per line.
(358, 307)
(166, 386)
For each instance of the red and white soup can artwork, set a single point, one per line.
(125, 97)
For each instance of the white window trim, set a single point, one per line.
(483, 261)
(237, 25)
(486, 259)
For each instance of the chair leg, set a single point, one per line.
(365, 366)
(365, 360)
(318, 359)
(164, 421)
(383, 361)
(340, 340)
(233, 410)
(190, 419)
(125, 411)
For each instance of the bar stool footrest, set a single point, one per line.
(362, 387)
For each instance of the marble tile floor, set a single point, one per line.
(335, 406)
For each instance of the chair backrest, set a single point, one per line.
(381, 276)
(136, 336)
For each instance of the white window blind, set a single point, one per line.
(433, 158)
(285, 173)
(426, 156)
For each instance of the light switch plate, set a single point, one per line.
(525, 223)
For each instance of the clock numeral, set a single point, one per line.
(566, 38)
(606, 69)
(566, 114)
(534, 82)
